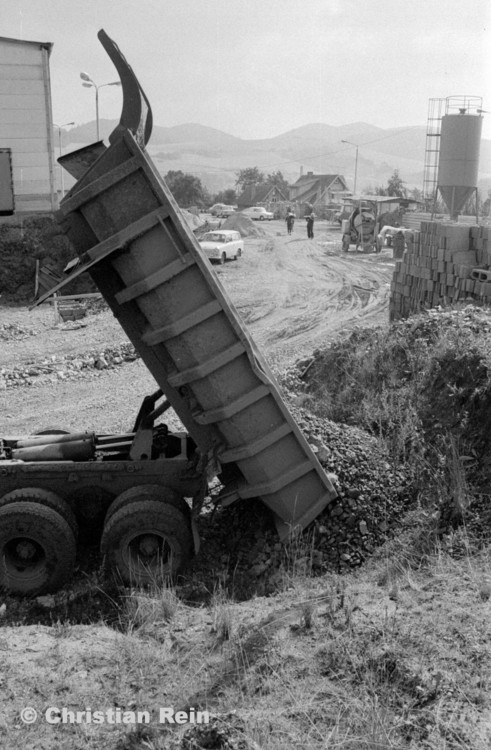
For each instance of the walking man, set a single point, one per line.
(290, 220)
(310, 225)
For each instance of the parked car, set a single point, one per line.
(222, 210)
(222, 245)
(258, 213)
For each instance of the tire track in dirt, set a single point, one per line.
(296, 294)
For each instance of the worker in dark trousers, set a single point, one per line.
(310, 225)
(290, 221)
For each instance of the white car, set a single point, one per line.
(222, 245)
(258, 213)
(222, 210)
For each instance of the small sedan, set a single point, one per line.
(258, 213)
(223, 245)
(222, 211)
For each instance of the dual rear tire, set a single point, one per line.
(147, 537)
(38, 534)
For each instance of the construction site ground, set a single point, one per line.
(368, 659)
(294, 294)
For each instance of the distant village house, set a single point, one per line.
(261, 195)
(323, 192)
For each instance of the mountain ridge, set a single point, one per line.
(216, 156)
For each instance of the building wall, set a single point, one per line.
(26, 125)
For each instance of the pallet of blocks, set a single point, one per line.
(443, 263)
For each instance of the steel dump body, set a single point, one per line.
(127, 229)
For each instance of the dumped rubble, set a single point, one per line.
(240, 545)
(243, 224)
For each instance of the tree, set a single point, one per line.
(228, 196)
(249, 176)
(395, 186)
(277, 179)
(416, 194)
(186, 188)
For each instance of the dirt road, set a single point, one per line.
(295, 294)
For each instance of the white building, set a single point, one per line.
(27, 169)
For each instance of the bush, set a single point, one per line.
(424, 386)
(39, 239)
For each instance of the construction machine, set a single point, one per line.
(144, 489)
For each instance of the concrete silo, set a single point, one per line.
(460, 140)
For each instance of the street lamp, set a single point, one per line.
(89, 83)
(61, 154)
(356, 162)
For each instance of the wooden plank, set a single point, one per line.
(86, 295)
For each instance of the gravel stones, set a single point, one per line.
(15, 332)
(68, 367)
(373, 495)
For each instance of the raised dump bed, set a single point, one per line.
(130, 236)
(128, 232)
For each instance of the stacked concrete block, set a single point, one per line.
(443, 263)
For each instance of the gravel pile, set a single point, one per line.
(240, 546)
(70, 367)
(373, 493)
(243, 224)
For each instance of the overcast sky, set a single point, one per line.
(257, 68)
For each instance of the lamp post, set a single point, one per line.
(356, 163)
(89, 83)
(62, 186)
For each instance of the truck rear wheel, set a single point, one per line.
(147, 541)
(152, 492)
(42, 497)
(37, 548)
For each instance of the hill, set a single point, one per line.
(215, 156)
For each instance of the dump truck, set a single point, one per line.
(144, 489)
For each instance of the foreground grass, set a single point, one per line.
(394, 656)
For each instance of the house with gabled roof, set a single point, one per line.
(261, 195)
(319, 190)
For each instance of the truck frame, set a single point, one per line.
(146, 488)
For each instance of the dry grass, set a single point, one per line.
(393, 657)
